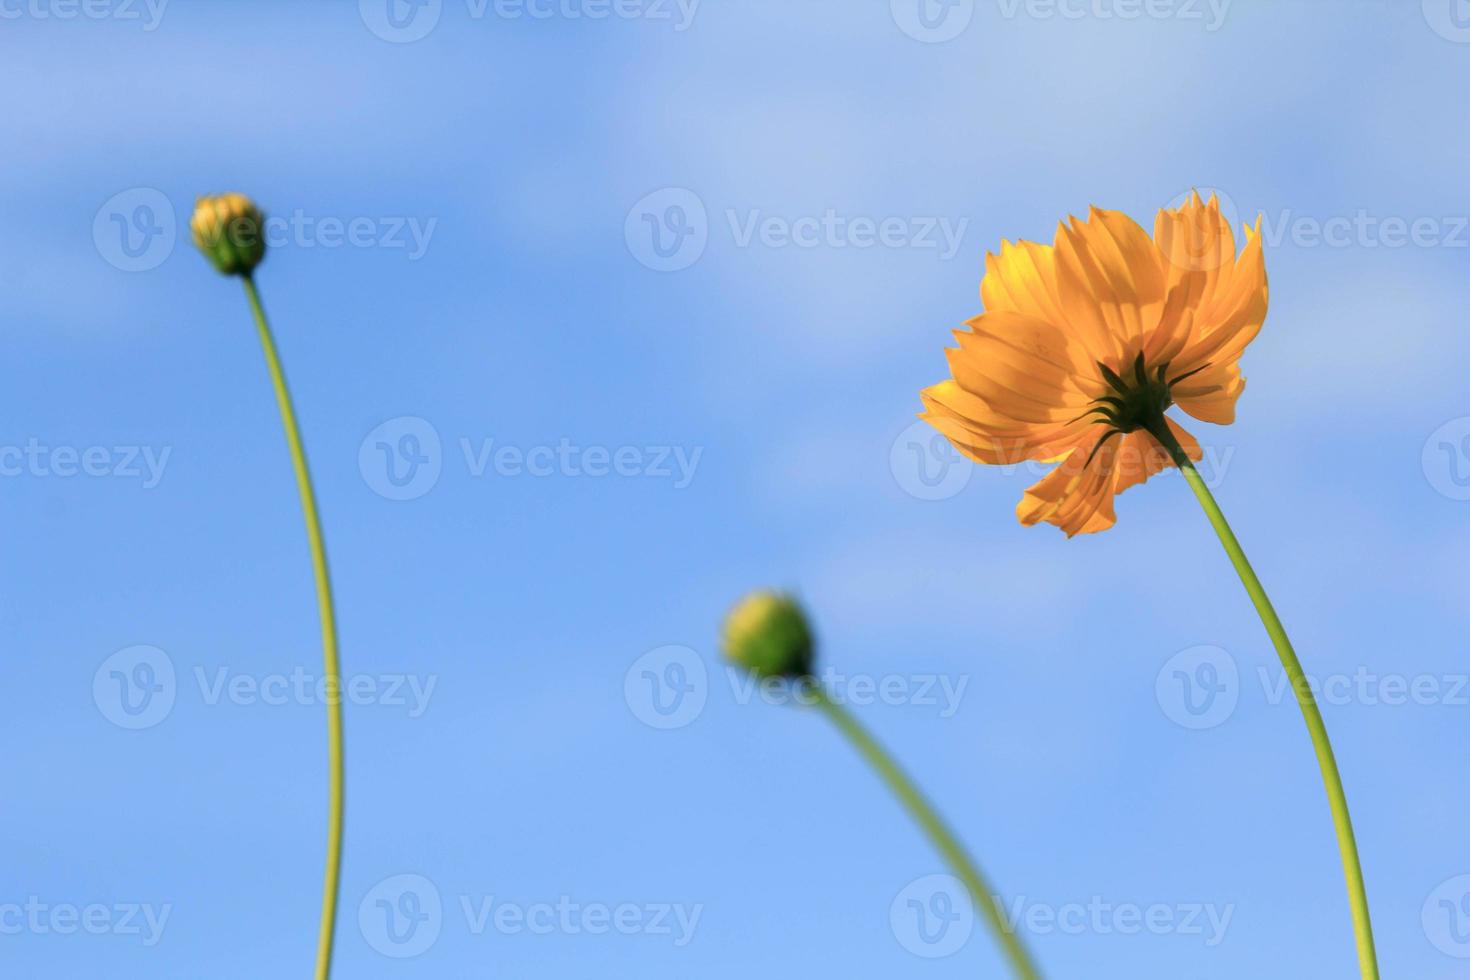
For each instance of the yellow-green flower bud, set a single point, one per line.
(230, 230)
(767, 633)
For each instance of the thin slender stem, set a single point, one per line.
(331, 665)
(934, 828)
(1336, 798)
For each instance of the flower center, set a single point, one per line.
(1137, 399)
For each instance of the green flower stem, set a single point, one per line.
(933, 826)
(333, 669)
(1336, 798)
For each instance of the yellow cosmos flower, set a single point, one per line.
(1085, 343)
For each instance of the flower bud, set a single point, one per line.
(230, 230)
(767, 633)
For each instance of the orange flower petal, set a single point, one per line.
(1210, 396)
(1111, 282)
(1023, 279)
(1015, 363)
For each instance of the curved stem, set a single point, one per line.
(934, 828)
(1337, 799)
(331, 666)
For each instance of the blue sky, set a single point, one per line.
(615, 437)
